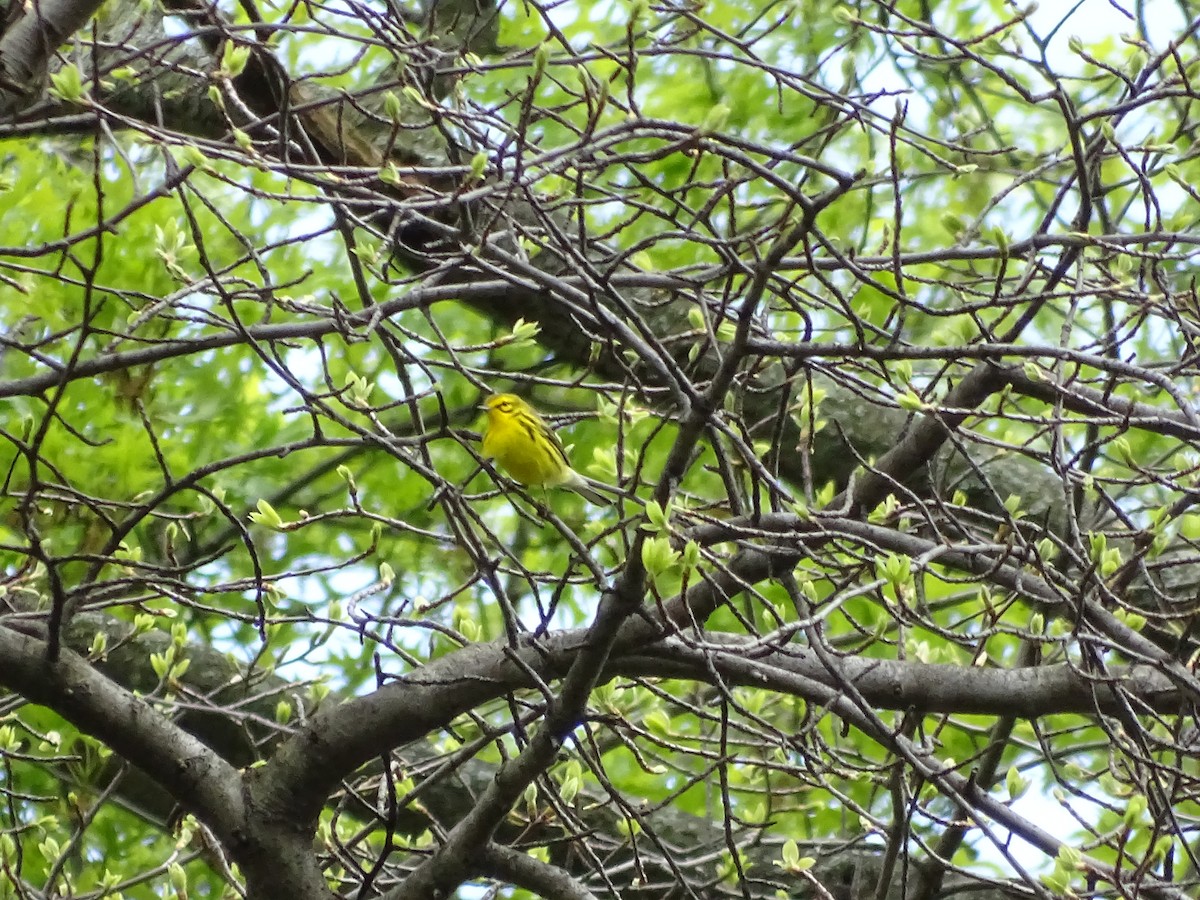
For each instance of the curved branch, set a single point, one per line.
(336, 741)
(535, 876)
(1029, 692)
(198, 778)
(37, 30)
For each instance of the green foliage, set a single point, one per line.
(294, 480)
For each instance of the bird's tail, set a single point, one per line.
(592, 491)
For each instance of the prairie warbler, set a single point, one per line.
(525, 447)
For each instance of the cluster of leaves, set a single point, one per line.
(737, 252)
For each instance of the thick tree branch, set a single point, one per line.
(34, 32)
(198, 778)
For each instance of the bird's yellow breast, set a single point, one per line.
(513, 442)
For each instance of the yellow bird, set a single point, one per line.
(525, 447)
